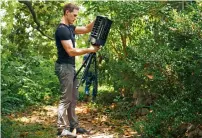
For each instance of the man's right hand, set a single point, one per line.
(94, 48)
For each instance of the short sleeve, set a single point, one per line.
(73, 28)
(64, 33)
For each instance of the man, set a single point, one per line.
(65, 69)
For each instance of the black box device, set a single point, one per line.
(100, 31)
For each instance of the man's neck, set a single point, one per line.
(64, 21)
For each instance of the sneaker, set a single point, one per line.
(79, 130)
(66, 132)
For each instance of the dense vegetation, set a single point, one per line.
(153, 49)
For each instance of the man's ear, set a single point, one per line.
(67, 11)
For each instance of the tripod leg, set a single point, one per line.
(85, 70)
(95, 78)
(85, 62)
(85, 74)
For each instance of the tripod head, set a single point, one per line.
(100, 31)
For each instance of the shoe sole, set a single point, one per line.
(66, 136)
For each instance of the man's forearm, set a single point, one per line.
(90, 26)
(80, 51)
(84, 29)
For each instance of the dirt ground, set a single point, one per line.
(98, 125)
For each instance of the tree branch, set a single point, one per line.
(29, 6)
(123, 39)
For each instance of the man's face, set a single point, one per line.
(71, 16)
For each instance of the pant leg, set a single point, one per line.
(65, 73)
(73, 119)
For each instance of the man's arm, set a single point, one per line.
(84, 29)
(68, 46)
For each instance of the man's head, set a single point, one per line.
(70, 12)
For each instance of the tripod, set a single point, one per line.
(91, 59)
(98, 37)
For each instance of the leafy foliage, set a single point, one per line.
(152, 46)
(159, 52)
(27, 71)
(31, 82)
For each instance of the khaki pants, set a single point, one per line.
(69, 95)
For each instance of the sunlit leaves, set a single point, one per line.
(155, 46)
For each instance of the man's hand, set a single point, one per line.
(94, 48)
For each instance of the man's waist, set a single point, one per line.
(64, 63)
(66, 60)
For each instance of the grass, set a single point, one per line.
(19, 129)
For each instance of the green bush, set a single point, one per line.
(168, 49)
(26, 82)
